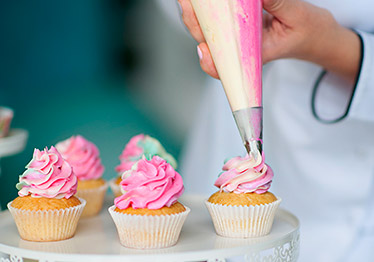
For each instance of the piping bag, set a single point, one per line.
(233, 31)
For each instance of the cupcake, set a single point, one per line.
(46, 209)
(6, 116)
(134, 150)
(84, 158)
(148, 214)
(243, 207)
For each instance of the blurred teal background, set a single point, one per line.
(79, 67)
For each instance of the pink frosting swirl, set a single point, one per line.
(83, 156)
(150, 184)
(245, 175)
(48, 175)
(130, 153)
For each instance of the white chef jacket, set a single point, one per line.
(323, 172)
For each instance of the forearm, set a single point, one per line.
(341, 54)
(334, 47)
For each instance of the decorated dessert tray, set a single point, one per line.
(96, 239)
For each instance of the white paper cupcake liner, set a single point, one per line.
(116, 189)
(95, 199)
(243, 221)
(47, 225)
(148, 232)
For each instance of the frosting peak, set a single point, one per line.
(142, 145)
(47, 175)
(150, 184)
(83, 156)
(245, 175)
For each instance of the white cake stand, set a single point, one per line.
(13, 143)
(96, 240)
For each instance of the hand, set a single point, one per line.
(293, 29)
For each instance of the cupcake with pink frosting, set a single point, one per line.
(138, 146)
(84, 157)
(243, 207)
(46, 209)
(148, 214)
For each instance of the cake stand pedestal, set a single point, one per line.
(96, 239)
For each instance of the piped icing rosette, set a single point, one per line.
(142, 145)
(83, 156)
(245, 175)
(48, 175)
(151, 184)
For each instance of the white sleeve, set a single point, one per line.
(362, 103)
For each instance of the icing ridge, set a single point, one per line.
(48, 175)
(83, 156)
(245, 175)
(150, 184)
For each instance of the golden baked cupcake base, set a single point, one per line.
(174, 209)
(90, 184)
(42, 203)
(116, 189)
(244, 199)
(118, 180)
(93, 191)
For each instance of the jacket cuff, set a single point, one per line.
(362, 105)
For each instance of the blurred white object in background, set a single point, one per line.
(6, 116)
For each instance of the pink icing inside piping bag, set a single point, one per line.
(250, 38)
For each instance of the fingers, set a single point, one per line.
(206, 60)
(190, 20)
(283, 10)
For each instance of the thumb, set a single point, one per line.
(283, 10)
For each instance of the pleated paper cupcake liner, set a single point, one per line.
(116, 189)
(148, 232)
(243, 221)
(95, 199)
(47, 225)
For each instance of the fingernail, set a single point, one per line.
(199, 53)
(180, 8)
